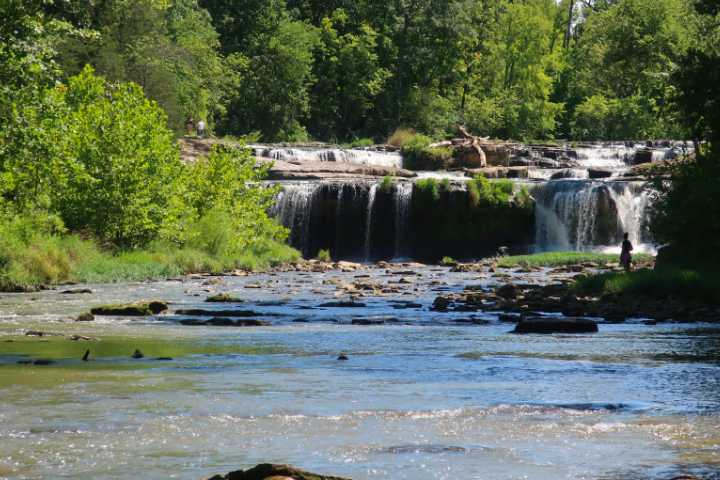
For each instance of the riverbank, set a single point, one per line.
(41, 261)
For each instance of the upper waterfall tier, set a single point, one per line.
(354, 156)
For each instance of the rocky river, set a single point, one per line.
(422, 393)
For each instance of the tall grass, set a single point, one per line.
(559, 259)
(31, 256)
(662, 284)
(400, 137)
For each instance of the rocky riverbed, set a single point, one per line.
(350, 370)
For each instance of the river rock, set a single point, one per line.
(268, 471)
(131, 310)
(76, 291)
(199, 312)
(556, 325)
(224, 322)
(348, 304)
(596, 174)
(223, 298)
(85, 317)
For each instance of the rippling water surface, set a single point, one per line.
(423, 396)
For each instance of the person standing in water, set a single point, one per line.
(625, 256)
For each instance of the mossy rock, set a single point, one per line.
(223, 298)
(268, 471)
(131, 310)
(549, 325)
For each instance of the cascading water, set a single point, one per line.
(368, 226)
(583, 215)
(633, 200)
(402, 197)
(354, 156)
(293, 207)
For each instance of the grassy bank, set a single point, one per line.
(560, 259)
(688, 285)
(50, 259)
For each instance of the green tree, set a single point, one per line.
(120, 162)
(349, 78)
(627, 51)
(168, 48)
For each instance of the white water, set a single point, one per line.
(569, 215)
(368, 225)
(353, 156)
(403, 195)
(293, 207)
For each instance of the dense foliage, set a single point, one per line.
(342, 70)
(88, 165)
(687, 213)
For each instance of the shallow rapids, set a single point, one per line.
(424, 395)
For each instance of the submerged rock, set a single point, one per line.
(223, 298)
(349, 304)
(224, 322)
(76, 291)
(556, 325)
(131, 309)
(267, 471)
(198, 312)
(85, 317)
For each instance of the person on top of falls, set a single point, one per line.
(625, 256)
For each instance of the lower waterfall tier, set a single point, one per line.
(371, 221)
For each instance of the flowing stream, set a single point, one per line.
(423, 394)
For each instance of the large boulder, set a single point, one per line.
(268, 471)
(556, 325)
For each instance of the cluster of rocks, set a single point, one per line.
(527, 301)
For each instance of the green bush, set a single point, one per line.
(419, 155)
(324, 256)
(448, 261)
(401, 136)
(361, 143)
(387, 184)
(482, 191)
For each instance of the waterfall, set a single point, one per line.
(632, 201)
(368, 224)
(293, 208)
(583, 215)
(402, 197)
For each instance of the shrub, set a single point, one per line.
(419, 155)
(361, 143)
(482, 191)
(324, 256)
(427, 188)
(400, 137)
(387, 184)
(448, 261)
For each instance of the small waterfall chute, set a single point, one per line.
(402, 199)
(368, 225)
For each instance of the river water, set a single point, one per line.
(423, 396)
